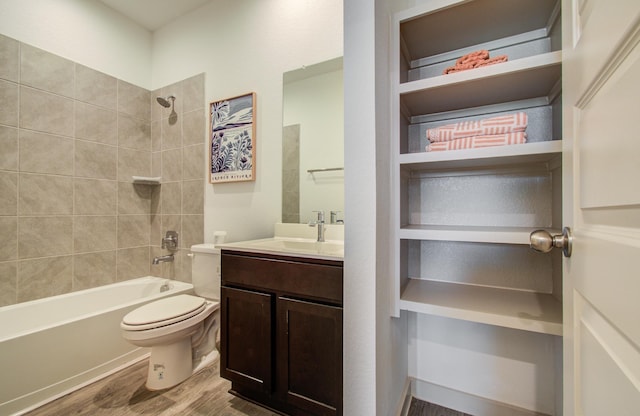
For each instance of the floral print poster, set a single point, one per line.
(232, 139)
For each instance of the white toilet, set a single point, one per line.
(181, 330)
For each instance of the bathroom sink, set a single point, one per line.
(291, 246)
(302, 245)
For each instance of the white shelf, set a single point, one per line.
(497, 235)
(146, 180)
(530, 77)
(488, 156)
(537, 312)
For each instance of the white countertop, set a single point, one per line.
(297, 240)
(289, 246)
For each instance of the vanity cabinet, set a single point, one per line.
(281, 331)
(247, 330)
(309, 355)
(463, 269)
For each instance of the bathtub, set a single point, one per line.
(51, 346)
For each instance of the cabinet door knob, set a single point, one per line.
(543, 242)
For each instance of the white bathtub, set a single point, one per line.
(51, 346)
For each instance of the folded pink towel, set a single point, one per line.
(473, 60)
(508, 123)
(491, 61)
(458, 68)
(481, 54)
(475, 142)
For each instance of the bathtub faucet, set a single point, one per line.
(163, 259)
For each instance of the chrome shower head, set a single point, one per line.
(164, 101)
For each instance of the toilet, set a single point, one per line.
(181, 330)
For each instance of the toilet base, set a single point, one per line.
(169, 365)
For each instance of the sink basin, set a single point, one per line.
(302, 245)
(294, 246)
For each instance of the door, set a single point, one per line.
(310, 356)
(246, 338)
(601, 111)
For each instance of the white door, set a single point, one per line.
(601, 114)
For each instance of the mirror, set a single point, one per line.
(313, 142)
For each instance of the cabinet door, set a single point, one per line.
(310, 356)
(246, 338)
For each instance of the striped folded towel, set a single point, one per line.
(508, 123)
(475, 142)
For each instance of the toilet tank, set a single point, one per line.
(205, 270)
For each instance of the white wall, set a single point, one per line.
(245, 46)
(483, 361)
(84, 31)
(360, 215)
(376, 354)
(317, 105)
(391, 335)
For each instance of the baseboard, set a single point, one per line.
(405, 401)
(465, 402)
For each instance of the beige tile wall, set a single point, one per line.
(70, 140)
(178, 155)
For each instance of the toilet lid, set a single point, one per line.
(165, 311)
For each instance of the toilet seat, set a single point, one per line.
(163, 312)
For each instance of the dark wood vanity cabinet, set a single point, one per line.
(248, 319)
(309, 355)
(281, 332)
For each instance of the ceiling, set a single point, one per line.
(153, 14)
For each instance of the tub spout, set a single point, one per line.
(163, 259)
(165, 286)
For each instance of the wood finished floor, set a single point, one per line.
(420, 408)
(124, 394)
(206, 394)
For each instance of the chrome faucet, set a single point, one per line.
(163, 259)
(334, 218)
(320, 224)
(169, 242)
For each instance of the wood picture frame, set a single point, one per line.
(232, 139)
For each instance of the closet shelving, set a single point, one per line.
(533, 76)
(494, 306)
(472, 202)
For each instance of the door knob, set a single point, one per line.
(544, 242)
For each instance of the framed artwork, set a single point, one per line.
(232, 143)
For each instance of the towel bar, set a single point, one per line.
(323, 170)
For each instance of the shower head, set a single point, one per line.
(164, 101)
